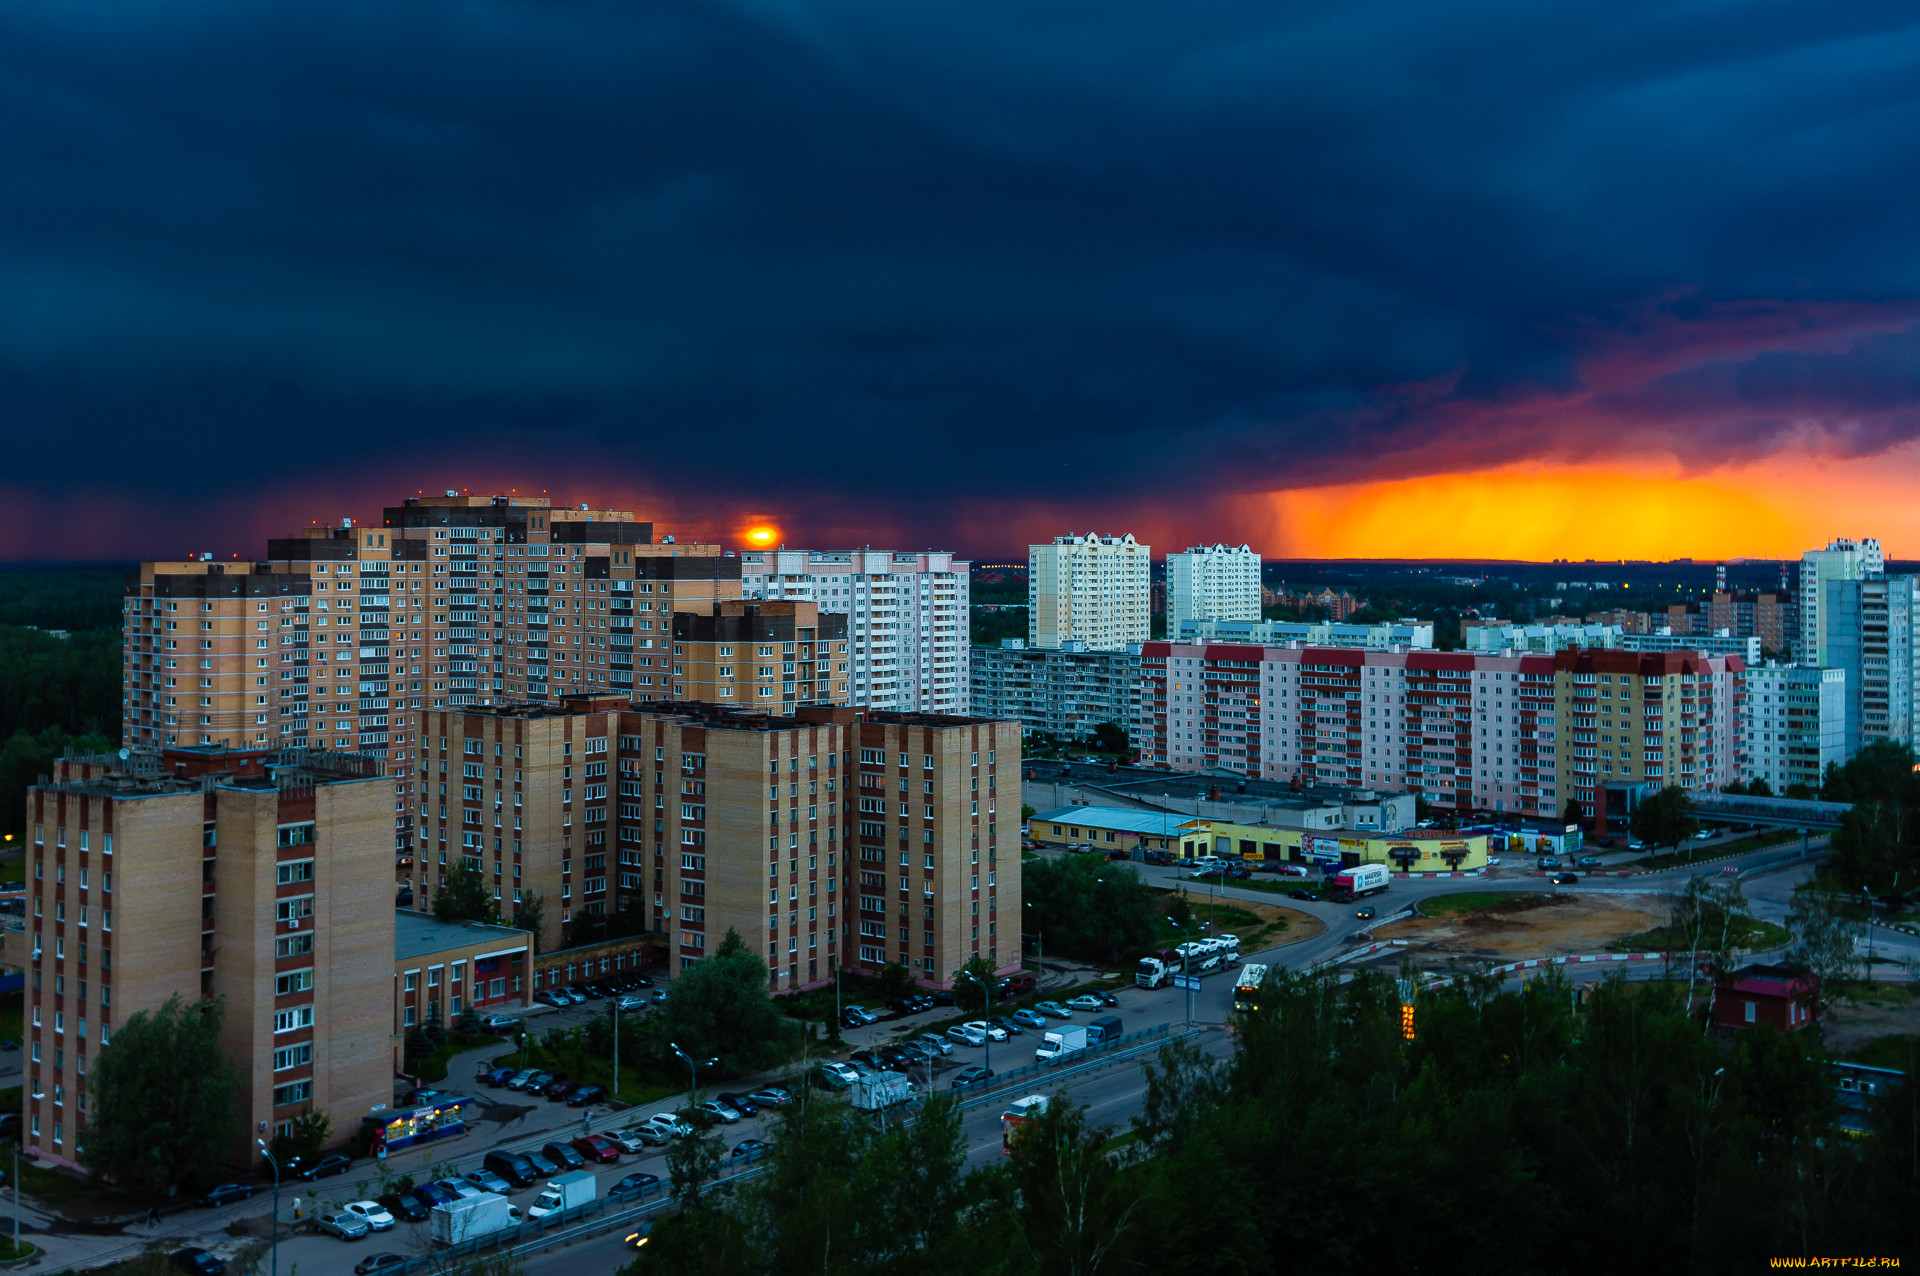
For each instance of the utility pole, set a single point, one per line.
(986, 1008)
(264, 1151)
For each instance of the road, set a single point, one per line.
(1113, 1096)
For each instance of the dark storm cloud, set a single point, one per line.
(881, 265)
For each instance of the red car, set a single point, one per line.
(597, 1147)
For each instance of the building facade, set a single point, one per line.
(257, 876)
(1871, 631)
(772, 656)
(1091, 589)
(1636, 721)
(1065, 692)
(1841, 560)
(676, 816)
(1212, 582)
(907, 619)
(1796, 724)
(1309, 633)
(1468, 731)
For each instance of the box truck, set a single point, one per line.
(882, 1090)
(472, 1217)
(563, 1192)
(1018, 1113)
(1060, 1044)
(1362, 879)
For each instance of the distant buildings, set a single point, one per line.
(1212, 582)
(1841, 560)
(1090, 589)
(1797, 724)
(1313, 633)
(1065, 691)
(1870, 629)
(906, 616)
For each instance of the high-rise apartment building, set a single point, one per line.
(907, 619)
(1065, 692)
(679, 815)
(1212, 582)
(1796, 724)
(775, 657)
(1630, 722)
(1841, 560)
(1871, 631)
(1090, 589)
(1772, 616)
(258, 876)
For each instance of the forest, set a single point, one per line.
(59, 674)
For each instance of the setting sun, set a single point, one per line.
(761, 535)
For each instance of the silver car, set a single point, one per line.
(348, 1227)
(939, 1045)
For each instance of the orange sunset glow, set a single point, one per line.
(1771, 509)
(761, 535)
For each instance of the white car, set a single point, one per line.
(1704, 835)
(1086, 1002)
(372, 1213)
(669, 1124)
(967, 1036)
(982, 1026)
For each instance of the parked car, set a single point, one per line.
(1007, 1026)
(1564, 879)
(406, 1207)
(1018, 985)
(500, 1023)
(774, 1096)
(719, 1111)
(586, 1096)
(553, 997)
(1302, 894)
(1546, 861)
(1364, 912)
(373, 1264)
(348, 1227)
(1054, 1010)
(372, 1213)
(862, 1068)
(486, 1180)
(518, 1081)
(670, 1124)
(432, 1194)
(561, 1154)
(1588, 861)
(992, 1033)
(634, 1186)
(636, 1138)
(967, 1078)
(865, 1058)
(903, 1006)
(515, 1168)
(494, 1077)
(196, 1260)
(1704, 835)
(1031, 1018)
(543, 1165)
(597, 1147)
(326, 1167)
(943, 996)
(460, 1188)
(1086, 1002)
(535, 1082)
(594, 991)
(557, 1091)
(967, 1036)
(834, 1076)
(629, 1003)
(741, 1103)
(749, 1150)
(939, 1045)
(227, 1193)
(579, 994)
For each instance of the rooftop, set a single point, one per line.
(1118, 818)
(418, 934)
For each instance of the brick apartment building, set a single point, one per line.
(676, 815)
(259, 876)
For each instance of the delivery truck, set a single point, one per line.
(1018, 1113)
(563, 1192)
(1362, 879)
(1059, 1044)
(882, 1090)
(472, 1218)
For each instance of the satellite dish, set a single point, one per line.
(124, 755)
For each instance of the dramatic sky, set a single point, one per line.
(1340, 277)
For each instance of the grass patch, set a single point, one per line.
(10, 1025)
(1748, 934)
(1464, 902)
(1262, 884)
(1718, 851)
(9, 1254)
(433, 1067)
(55, 1187)
(1901, 1051)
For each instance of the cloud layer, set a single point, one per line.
(953, 273)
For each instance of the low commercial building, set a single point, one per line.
(1774, 996)
(1107, 829)
(443, 969)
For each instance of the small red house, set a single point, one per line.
(1785, 999)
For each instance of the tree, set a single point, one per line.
(1571, 813)
(301, 1142)
(464, 896)
(895, 980)
(1666, 818)
(969, 998)
(530, 914)
(720, 1008)
(692, 1163)
(163, 1109)
(1076, 1212)
(1109, 737)
(1826, 939)
(1180, 908)
(1089, 907)
(1710, 919)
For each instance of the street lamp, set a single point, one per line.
(693, 1072)
(1185, 954)
(986, 994)
(267, 1152)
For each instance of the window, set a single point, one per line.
(294, 909)
(293, 981)
(293, 1056)
(293, 945)
(293, 1019)
(294, 872)
(296, 835)
(293, 1092)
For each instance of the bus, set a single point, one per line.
(1246, 989)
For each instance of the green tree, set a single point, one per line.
(163, 1110)
(1179, 907)
(694, 1162)
(1665, 818)
(1110, 737)
(1825, 938)
(464, 896)
(895, 980)
(530, 914)
(300, 1144)
(1709, 919)
(969, 998)
(1089, 907)
(1077, 1214)
(720, 1007)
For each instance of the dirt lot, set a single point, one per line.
(1534, 925)
(1853, 1022)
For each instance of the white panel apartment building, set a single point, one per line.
(1797, 723)
(1840, 560)
(1212, 582)
(907, 619)
(1092, 589)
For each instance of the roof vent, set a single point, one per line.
(583, 507)
(451, 492)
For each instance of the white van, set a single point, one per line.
(1205, 865)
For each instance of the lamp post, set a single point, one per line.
(1184, 956)
(986, 993)
(264, 1151)
(693, 1072)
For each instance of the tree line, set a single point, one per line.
(1513, 1129)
